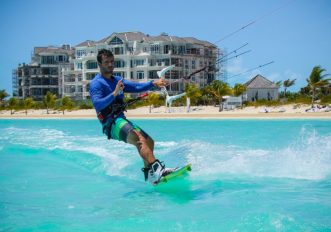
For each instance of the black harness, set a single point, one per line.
(108, 115)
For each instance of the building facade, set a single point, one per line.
(259, 88)
(43, 74)
(67, 71)
(138, 57)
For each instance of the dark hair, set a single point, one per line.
(104, 52)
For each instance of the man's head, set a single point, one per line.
(105, 60)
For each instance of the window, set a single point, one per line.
(193, 64)
(79, 77)
(139, 62)
(90, 76)
(115, 41)
(80, 53)
(130, 49)
(140, 75)
(166, 62)
(153, 75)
(54, 71)
(46, 71)
(91, 65)
(186, 64)
(69, 89)
(166, 49)
(119, 64)
(47, 60)
(174, 49)
(152, 62)
(155, 48)
(118, 51)
(181, 49)
(79, 66)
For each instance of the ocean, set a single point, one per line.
(247, 175)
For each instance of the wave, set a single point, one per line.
(307, 157)
(114, 154)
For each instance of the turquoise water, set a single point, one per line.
(248, 175)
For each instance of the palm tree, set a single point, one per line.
(28, 103)
(288, 83)
(239, 89)
(219, 89)
(66, 104)
(153, 99)
(12, 104)
(316, 80)
(192, 93)
(3, 95)
(49, 100)
(278, 83)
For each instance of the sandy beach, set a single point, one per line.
(286, 111)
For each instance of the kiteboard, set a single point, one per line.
(175, 174)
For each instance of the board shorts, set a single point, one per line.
(121, 128)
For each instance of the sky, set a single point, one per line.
(294, 34)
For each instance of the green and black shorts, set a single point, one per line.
(121, 128)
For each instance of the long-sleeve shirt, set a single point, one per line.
(101, 90)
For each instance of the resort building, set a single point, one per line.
(43, 74)
(67, 71)
(138, 57)
(259, 88)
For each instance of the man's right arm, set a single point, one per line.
(97, 96)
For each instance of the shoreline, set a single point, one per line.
(204, 112)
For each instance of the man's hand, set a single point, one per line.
(119, 87)
(160, 83)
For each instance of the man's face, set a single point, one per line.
(107, 65)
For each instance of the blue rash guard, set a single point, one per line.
(101, 90)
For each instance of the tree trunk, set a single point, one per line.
(312, 99)
(188, 104)
(221, 106)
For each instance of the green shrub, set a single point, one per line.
(326, 99)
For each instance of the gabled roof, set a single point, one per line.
(125, 36)
(87, 43)
(139, 36)
(260, 82)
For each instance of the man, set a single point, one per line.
(106, 91)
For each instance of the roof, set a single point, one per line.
(126, 36)
(87, 43)
(53, 50)
(139, 36)
(260, 82)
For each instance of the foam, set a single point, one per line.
(114, 154)
(307, 157)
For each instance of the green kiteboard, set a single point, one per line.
(179, 172)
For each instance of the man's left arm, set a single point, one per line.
(136, 87)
